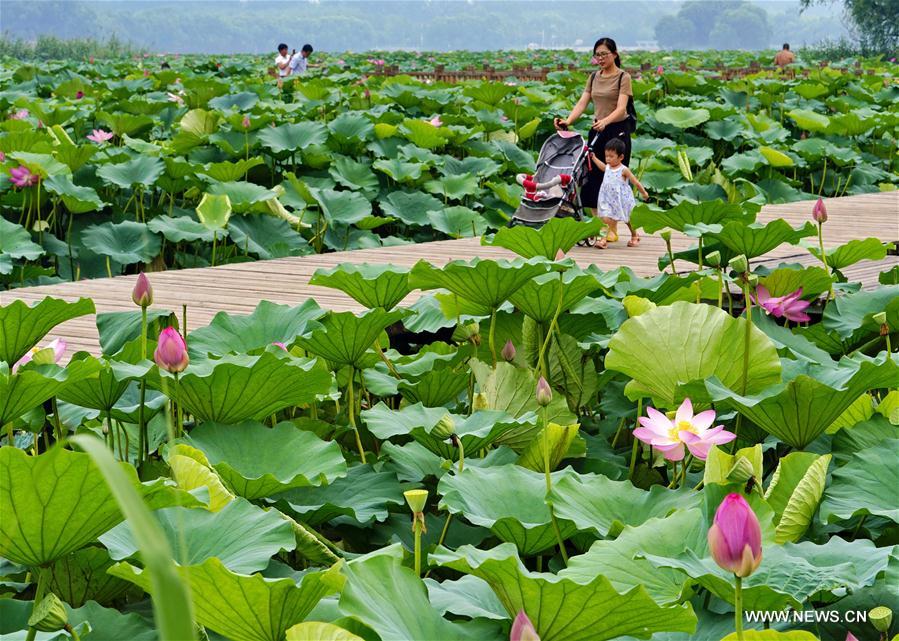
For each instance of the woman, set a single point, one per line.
(609, 89)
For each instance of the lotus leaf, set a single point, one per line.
(865, 485)
(345, 337)
(23, 325)
(126, 242)
(370, 285)
(795, 491)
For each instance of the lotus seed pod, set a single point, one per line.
(739, 264)
(445, 428)
(880, 318)
(49, 615)
(881, 617)
(416, 499)
(666, 235)
(713, 259)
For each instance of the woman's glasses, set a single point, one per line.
(602, 55)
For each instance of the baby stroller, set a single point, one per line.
(554, 187)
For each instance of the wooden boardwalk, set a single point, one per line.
(239, 288)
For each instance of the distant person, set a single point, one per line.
(282, 62)
(300, 63)
(784, 57)
(609, 87)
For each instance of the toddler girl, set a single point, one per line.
(616, 200)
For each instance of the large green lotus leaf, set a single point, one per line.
(454, 187)
(411, 208)
(557, 234)
(468, 596)
(617, 559)
(683, 342)
(597, 503)
(345, 337)
(809, 120)
(183, 228)
(34, 384)
(800, 409)
(438, 387)
(682, 117)
(240, 535)
(354, 175)
(757, 240)
(242, 195)
(237, 388)
(560, 440)
(109, 623)
(776, 158)
(370, 285)
(851, 314)
(508, 499)
(789, 574)
(363, 495)
(126, 242)
(214, 211)
(267, 237)
(344, 207)
(422, 133)
(293, 137)
(103, 391)
(22, 326)
(320, 632)
(43, 164)
(226, 171)
(200, 122)
(351, 127)
(81, 576)
(76, 198)
(784, 339)
(15, 242)
(248, 608)
(477, 431)
(786, 280)
(488, 92)
(256, 461)
(401, 172)
(511, 389)
(387, 597)
(795, 491)
(57, 502)
(484, 282)
(539, 297)
(686, 213)
(269, 323)
(140, 171)
(562, 609)
(458, 222)
(865, 485)
(853, 252)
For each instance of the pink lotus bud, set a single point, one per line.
(436, 121)
(850, 637)
(171, 353)
(91, 60)
(735, 538)
(819, 211)
(79, 95)
(508, 352)
(142, 294)
(281, 345)
(659, 70)
(2, 157)
(544, 393)
(560, 255)
(245, 123)
(523, 629)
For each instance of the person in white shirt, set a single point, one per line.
(300, 63)
(282, 62)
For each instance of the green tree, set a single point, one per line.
(742, 27)
(875, 23)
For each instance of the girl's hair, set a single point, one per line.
(616, 145)
(608, 42)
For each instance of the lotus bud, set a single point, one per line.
(819, 212)
(416, 499)
(851, 637)
(544, 393)
(735, 538)
(881, 618)
(280, 345)
(171, 352)
(445, 428)
(739, 264)
(523, 629)
(508, 352)
(741, 471)
(142, 294)
(245, 123)
(560, 255)
(713, 259)
(479, 402)
(49, 615)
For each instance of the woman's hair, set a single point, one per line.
(616, 145)
(608, 42)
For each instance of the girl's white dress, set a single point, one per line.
(616, 198)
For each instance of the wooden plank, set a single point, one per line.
(239, 288)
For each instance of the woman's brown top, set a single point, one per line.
(604, 93)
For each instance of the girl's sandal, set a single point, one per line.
(634, 242)
(611, 237)
(601, 243)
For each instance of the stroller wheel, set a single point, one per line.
(587, 242)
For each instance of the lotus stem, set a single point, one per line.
(738, 607)
(143, 436)
(492, 336)
(418, 525)
(179, 428)
(699, 251)
(446, 524)
(214, 243)
(630, 472)
(108, 268)
(42, 577)
(458, 443)
(720, 288)
(386, 360)
(549, 483)
(58, 424)
(824, 258)
(823, 177)
(541, 362)
(618, 431)
(858, 528)
(351, 412)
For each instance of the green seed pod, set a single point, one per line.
(416, 499)
(445, 428)
(881, 617)
(713, 259)
(739, 264)
(49, 615)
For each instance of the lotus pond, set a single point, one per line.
(109, 165)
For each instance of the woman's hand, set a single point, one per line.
(560, 125)
(598, 125)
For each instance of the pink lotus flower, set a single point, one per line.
(146, 73)
(849, 635)
(49, 354)
(790, 306)
(79, 95)
(544, 393)
(171, 353)
(2, 157)
(735, 538)
(100, 136)
(367, 94)
(281, 345)
(696, 432)
(245, 123)
(436, 121)
(659, 70)
(21, 177)
(21, 114)
(523, 629)
(142, 294)
(819, 212)
(91, 60)
(341, 62)
(175, 98)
